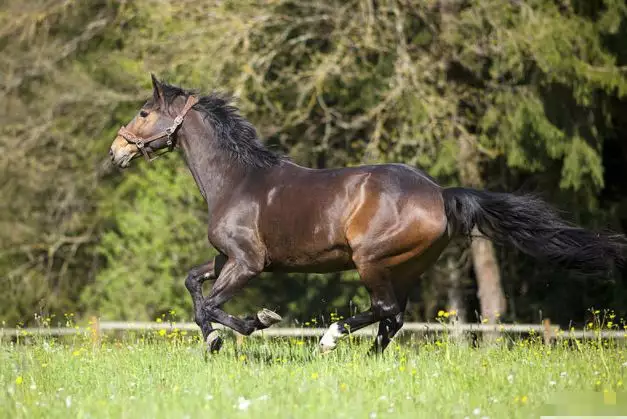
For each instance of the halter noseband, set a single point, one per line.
(141, 143)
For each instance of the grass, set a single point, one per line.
(157, 376)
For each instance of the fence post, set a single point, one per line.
(547, 331)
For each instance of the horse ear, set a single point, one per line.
(157, 90)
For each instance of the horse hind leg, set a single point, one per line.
(383, 305)
(388, 328)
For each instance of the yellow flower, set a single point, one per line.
(590, 325)
(446, 314)
(159, 320)
(242, 357)
(162, 332)
(610, 324)
(453, 312)
(19, 380)
(314, 375)
(343, 387)
(76, 353)
(523, 399)
(440, 313)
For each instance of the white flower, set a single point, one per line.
(564, 374)
(68, 401)
(263, 397)
(476, 411)
(510, 378)
(372, 415)
(243, 403)
(552, 383)
(209, 397)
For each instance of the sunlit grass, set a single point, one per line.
(167, 375)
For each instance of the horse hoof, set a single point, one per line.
(267, 317)
(326, 349)
(214, 342)
(329, 340)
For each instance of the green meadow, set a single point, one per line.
(169, 375)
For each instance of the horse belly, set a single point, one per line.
(313, 261)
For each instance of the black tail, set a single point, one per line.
(533, 227)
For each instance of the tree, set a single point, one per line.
(497, 94)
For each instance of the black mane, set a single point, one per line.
(236, 136)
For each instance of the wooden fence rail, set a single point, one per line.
(97, 328)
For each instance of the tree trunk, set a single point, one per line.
(490, 290)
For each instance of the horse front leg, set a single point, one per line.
(232, 279)
(195, 278)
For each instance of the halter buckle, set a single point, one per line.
(139, 144)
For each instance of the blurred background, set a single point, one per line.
(509, 95)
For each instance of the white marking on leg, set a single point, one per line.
(329, 340)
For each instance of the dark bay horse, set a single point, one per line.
(390, 222)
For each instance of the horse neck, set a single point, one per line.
(215, 174)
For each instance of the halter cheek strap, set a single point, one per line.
(167, 134)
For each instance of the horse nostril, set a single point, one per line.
(111, 152)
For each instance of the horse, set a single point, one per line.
(390, 222)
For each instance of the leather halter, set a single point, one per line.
(167, 134)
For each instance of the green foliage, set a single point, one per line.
(157, 219)
(485, 92)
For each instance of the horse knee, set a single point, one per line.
(195, 279)
(191, 282)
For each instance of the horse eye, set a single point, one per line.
(143, 113)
